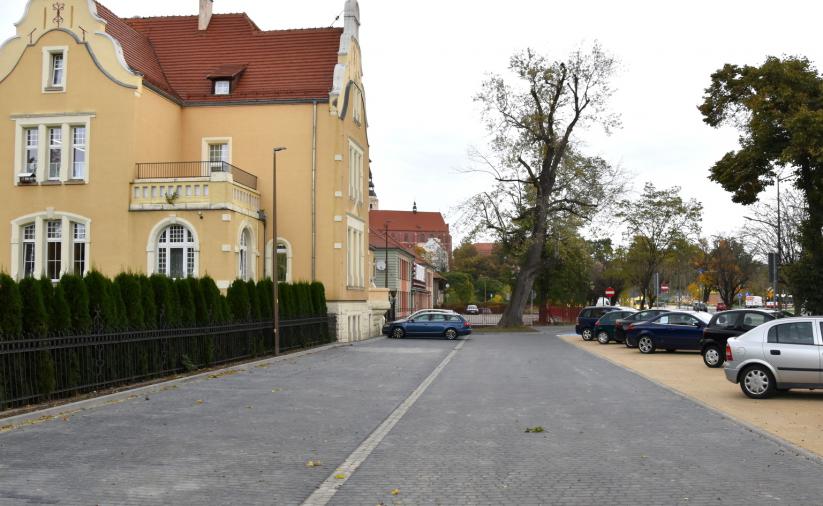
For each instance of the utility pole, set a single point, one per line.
(274, 272)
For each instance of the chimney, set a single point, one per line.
(205, 14)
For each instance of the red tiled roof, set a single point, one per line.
(178, 58)
(484, 249)
(409, 221)
(377, 240)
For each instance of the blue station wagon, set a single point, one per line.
(429, 323)
(675, 330)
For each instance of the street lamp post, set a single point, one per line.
(386, 233)
(274, 267)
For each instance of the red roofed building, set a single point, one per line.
(484, 249)
(413, 228)
(155, 136)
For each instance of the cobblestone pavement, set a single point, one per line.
(609, 436)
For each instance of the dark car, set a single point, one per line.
(730, 324)
(429, 324)
(675, 330)
(622, 324)
(700, 306)
(588, 317)
(604, 328)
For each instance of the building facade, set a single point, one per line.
(146, 145)
(412, 228)
(411, 280)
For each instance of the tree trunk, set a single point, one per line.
(513, 314)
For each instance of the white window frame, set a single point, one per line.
(355, 172)
(188, 253)
(55, 149)
(207, 142)
(79, 238)
(153, 246)
(49, 86)
(41, 239)
(246, 253)
(28, 242)
(54, 235)
(285, 247)
(222, 87)
(42, 123)
(355, 254)
(30, 147)
(78, 147)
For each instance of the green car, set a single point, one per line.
(604, 327)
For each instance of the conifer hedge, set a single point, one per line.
(135, 304)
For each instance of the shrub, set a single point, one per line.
(254, 301)
(285, 301)
(35, 323)
(318, 292)
(166, 300)
(147, 302)
(77, 297)
(102, 308)
(238, 298)
(264, 293)
(201, 313)
(215, 307)
(120, 319)
(188, 316)
(131, 293)
(57, 308)
(11, 309)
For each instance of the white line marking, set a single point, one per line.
(328, 488)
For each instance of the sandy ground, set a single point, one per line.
(796, 416)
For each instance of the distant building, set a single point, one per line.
(413, 228)
(484, 249)
(414, 281)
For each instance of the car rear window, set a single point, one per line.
(585, 313)
(752, 320)
(453, 318)
(792, 333)
(725, 320)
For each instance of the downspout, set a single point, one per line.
(314, 192)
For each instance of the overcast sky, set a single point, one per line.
(424, 60)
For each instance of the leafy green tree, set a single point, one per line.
(461, 288)
(654, 223)
(778, 107)
(731, 267)
(566, 274)
(77, 296)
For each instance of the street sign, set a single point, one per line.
(739, 295)
(664, 288)
(610, 292)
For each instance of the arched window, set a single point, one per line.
(244, 268)
(284, 260)
(176, 252)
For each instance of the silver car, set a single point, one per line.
(776, 356)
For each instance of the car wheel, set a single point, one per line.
(397, 333)
(629, 343)
(646, 345)
(757, 382)
(586, 334)
(603, 337)
(712, 356)
(451, 334)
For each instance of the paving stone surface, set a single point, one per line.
(609, 436)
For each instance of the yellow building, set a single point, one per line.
(146, 144)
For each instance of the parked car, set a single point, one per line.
(778, 355)
(604, 328)
(420, 311)
(672, 331)
(588, 317)
(485, 310)
(472, 309)
(429, 323)
(622, 324)
(721, 306)
(700, 306)
(730, 324)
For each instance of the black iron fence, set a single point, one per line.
(48, 368)
(160, 170)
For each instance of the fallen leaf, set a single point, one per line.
(395, 491)
(339, 476)
(198, 401)
(537, 428)
(276, 390)
(313, 463)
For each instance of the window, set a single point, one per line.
(282, 262)
(663, 320)
(726, 320)
(357, 106)
(78, 152)
(792, 333)
(437, 317)
(28, 250)
(244, 269)
(355, 173)
(58, 69)
(752, 320)
(54, 249)
(55, 151)
(79, 253)
(354, 257)
(222, 87)
(176, 252)
(31, 136)
(218, 153)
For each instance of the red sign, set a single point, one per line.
(664, 288)
(610, 292)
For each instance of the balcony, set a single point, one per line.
(193, 186)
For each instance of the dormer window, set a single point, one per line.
(57, 69)
(225, 77)
(222, 87)
(54, 69)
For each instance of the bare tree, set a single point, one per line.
(538, 175)
(760, 230)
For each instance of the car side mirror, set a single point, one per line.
(411, 320)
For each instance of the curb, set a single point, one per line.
(780, 441)
(72, 408)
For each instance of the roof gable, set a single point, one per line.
(409, 220)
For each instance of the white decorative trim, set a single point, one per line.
(252, 248)
(42, 121)
(118, 50)
(225, 217)
(154, 236)
(338, 157)
(48, 51)
(39, 218)
(338, 245)
(206, 141)
(289, 258)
